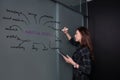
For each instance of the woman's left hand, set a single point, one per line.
(68, 59)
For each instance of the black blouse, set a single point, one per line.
(82, 57)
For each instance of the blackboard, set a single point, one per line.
(27, 40)
(31, 38)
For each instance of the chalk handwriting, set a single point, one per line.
(45, 16)
(53, 28)
(22, 42)
(14, 28)
(31, 32)
(43, 45)
(14, 12)
(34, 15)
(58, 39)
(14, 19)
(19, 46)
(7, 18)
(18, 13)
(51, 22)
(13, 36)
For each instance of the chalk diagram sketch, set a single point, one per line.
(20, 42)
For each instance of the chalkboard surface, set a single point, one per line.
(30, 37)
(27, 40)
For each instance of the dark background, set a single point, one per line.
(104, 25)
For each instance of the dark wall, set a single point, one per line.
(104, 25)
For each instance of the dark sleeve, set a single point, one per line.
(85, 66)
(73, 42)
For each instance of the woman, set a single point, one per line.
(83, 56)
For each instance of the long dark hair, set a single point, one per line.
(86, 39)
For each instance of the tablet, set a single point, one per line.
(61, 53)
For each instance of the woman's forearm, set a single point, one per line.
(65, 30)
(68, 36)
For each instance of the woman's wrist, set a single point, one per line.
(66, 33)
(75, 65)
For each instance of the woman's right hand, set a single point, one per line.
(65, 30)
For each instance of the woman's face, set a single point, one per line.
(78, 36)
